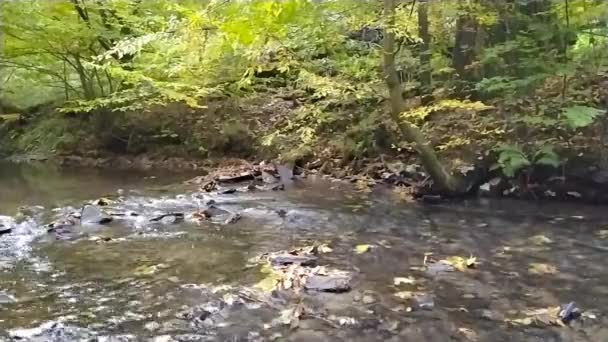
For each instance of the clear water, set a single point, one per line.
(98, 291)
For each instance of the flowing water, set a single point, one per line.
(132, 280)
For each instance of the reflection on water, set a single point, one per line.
(101, 286)
(43, 184)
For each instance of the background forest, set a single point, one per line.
(522, 82)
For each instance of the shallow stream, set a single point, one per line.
(132, 280)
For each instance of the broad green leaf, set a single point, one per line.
(580, 116)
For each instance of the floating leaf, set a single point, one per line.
(540, 240)
(270, 281)
(148, 269)
(602, 234)
(469, 334)
(460, 263)
(540, 268)
(404, 280)
(404, 294)
(360, 249)
(324, 248)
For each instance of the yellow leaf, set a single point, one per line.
(360, 249)
(269, 282)
(540, 268)
(404, 280)
(461, 263)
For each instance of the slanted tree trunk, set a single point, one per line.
(425, 48)
(410, 132)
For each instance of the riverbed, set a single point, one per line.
(134, 280)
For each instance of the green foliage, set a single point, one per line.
(580, 116)
(512, 158)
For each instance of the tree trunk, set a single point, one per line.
(464, 45)
(410, 132)
(425, 47)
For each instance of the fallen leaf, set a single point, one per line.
(469, 334)
(404, 294)
(148, 270)
(603, 234)
(460, 263)
(540, 268)
(360, 249)
(522, 321)
(324, 248)
(270, 281)
(540, 240)
(404, 280)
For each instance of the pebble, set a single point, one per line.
(368, 299)
(152, 326)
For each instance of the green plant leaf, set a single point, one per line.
(579, 116)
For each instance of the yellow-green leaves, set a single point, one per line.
(360, 249)
(459, 263)
(270, 280)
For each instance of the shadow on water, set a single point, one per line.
(140, 282)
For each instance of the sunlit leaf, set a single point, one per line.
(540, 268)
(404, 280)
(360, 249)
(404, 294)
(540, 240)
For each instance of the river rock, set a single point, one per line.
(6, 298)
(268, 178)
(52, 332)
(233, 218)
(6, 224)
(288, 259)
(368, 299)
(170, 218)
(213, 211)
(237, 178)
(328, 283)
(492, 188)
(91, 214)
(424, 301)
(5, 229)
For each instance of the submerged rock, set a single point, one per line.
(233, 218)
(569, 312)
(323, 283)
(52, 332)
(91, 214)
(289, 259)
(170, 218)
(6, 298)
